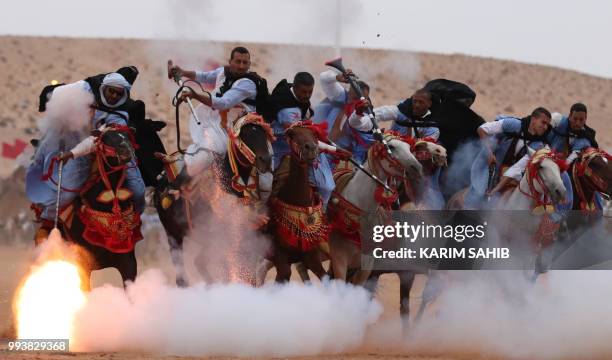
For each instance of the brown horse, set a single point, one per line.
(590, 173)
(297, 223)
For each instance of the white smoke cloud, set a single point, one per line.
(68, 109)
(500, 313)
(224, 247)
(238, 320)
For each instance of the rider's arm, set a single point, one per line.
(389, 113)
(516, 171)
(485, 131)
(429, 132)
(83, 148)
(203, 77)
(88, 145)
(284, 119)
(392, 113)
(331, 87)
(116, 119)
(572, 156)
(240, 91)
(490, 128)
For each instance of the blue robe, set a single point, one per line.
(75, 172)
(328, 110)
(558, 139)
(479, 175)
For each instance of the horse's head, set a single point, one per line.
(252, 137)
(256, 138)
(594, 169)
(115, 145)
(400, 163)
(544, 174)
(428, 152)
(304, 142)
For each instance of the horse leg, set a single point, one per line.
(282, 265)
(406, 280)
(261, 270)
(339, 256)
(312, 261)
(430, 293)
(127, 267)
(176, 254)
(201, 264)
(372, 282)
(302, 270)
(357, 271)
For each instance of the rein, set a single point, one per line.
(547, 227)
(581, 173)
(533, 176)
(239, 152)
(382, 196)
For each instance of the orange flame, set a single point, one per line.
(48, 299)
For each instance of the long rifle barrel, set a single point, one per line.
(337, 64)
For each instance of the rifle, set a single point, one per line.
(337, 64)
(492, 179)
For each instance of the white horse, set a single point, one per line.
(425, 192)
(541, 184)
(363, 195)
(539, 190)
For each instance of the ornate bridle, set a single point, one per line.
(240, 153)
(319, 130)
(102, 153)
(581, 172)
(533, 175)
(379, 152)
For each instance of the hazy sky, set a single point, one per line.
(563, 33)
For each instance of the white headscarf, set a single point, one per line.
(115, 80)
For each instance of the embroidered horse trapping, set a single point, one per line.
(299, 227)
(117, 232)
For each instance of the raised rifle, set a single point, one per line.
(337, 64)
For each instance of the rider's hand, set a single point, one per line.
(174, 70)
(65, 156)
(344, 78)
(186, 94)
(361, 106)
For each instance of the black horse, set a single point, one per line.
(248, 153)
(103, 220)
